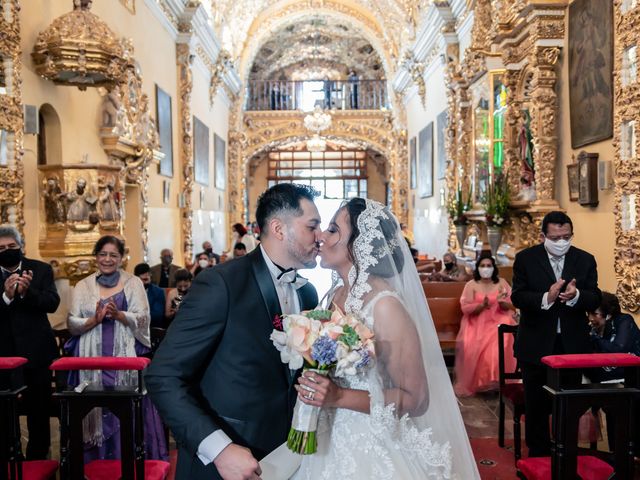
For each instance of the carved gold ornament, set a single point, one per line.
(79, 49)
(11, 120)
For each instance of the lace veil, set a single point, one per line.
(384, 266)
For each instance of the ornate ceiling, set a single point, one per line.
(244, 26)
(316, 48)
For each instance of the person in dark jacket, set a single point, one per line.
(155, 295)
(28, 295)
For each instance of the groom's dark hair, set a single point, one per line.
(283, 198)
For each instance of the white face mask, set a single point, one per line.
(203, 263)
(485, 272)
(558, 248)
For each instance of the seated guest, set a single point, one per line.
(485, 304)
(239, 250)
(163, 273)
(207, 248)
(203, 261)
(155, 294)
(612, 332)
(241, 235)
(176, 296)
(109, 316)
(450, 272)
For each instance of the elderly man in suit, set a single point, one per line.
(28, 295)
(554, 285)
(217, 379)
(164, 274)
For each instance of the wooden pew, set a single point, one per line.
(446, 314)
(443, 289)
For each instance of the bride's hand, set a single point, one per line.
(317, 390)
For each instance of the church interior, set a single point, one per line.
(161, 122)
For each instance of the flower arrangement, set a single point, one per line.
(458, 207)
(322, 341)
(497, 201)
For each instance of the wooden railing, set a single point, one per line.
(333, 94)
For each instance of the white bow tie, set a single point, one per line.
(291, 277)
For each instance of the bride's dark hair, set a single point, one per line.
(390, 260)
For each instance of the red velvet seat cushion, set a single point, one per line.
(514, 392)
(39, 469)
(111, 469)
(589, 468)
(592, 360)
(9, 363)
(100, 363)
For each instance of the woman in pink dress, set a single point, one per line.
(486, 303)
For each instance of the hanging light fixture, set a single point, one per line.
(79, 49)
(317, 122)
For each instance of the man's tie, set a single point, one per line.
(555, 264)
(290, 277)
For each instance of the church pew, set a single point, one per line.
(443, 289)
(446, 314)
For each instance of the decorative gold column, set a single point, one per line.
(513, 121)
(185, 85)
(544, 113)
(11, 120)
(626, 124)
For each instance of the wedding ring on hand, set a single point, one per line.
(309, 396)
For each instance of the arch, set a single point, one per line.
(49, 137)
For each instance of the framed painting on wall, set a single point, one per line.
(442, 122)
(413, 174)
(219, 152)
(425, 161)
(165, 134)
(590, 71)
(200, 152)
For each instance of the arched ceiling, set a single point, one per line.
(316, 47)
(239, 22)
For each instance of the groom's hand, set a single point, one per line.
(237, 463)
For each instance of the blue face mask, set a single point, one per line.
(108, 280)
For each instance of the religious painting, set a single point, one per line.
(425, 162)
(574, 184)
(590, 71)
(165, 134)
(219, 152)
(413, 173)
(442, 122)
(201, 152)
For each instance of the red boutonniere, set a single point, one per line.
(277, 323)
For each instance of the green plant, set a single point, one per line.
(497, 201)
(458, 207)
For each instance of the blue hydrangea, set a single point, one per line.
(323, 351)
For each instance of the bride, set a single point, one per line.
(399, 419)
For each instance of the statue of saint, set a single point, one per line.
(81, 203)
(54, 207)
(107, 203)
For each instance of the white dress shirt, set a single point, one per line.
(216, 442)
(570, 303)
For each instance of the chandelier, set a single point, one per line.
(317, 122)
(79, 49)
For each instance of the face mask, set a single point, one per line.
(208, 250)
(10, 257)
(182, 293)
(167, 259)
(203, 263)
(448, 266)
(485, 272)
(558, 248)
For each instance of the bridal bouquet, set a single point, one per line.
(322, 341)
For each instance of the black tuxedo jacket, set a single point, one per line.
(25, 330)
(217, 368)
(532, 277)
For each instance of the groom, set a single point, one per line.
(217, 379)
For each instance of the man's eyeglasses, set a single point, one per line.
(11, 246)
(563, 237)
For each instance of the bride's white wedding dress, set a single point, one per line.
(379, 445)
